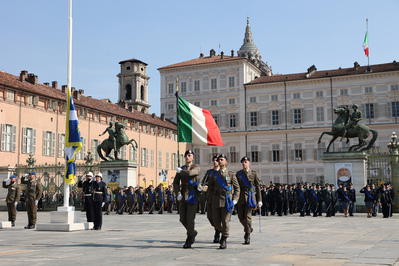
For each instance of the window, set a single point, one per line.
(8, 137)
(252, 99)
(276, 179)
(96, 116)
(231, 82)
(214, 152)
(174, 161)
(296, 95)
(216, 118)
(297, 116)
(133, 154)
(196, 85)
(343, 92)
(298, 179)
(321, 147)
(213, 84)
(159, 159)
(181, 159)
(395, 109)
(152, 158)
(61, 145)
(319, 94)
(319, 114)
(232, 101)
(48, 143)
(170, 106)
(10, 95)
(167, 160)
(275, 117)
(275, 153)
(197, 104)
(298, 152)
(254, 154)
(274, 97)
(233, 154)
(368, 89)
(170, 88)
(369, 110)
(30, 100)
(395, 87)
(144, 157)
(214, 102)
(28, 140)
(253, 119)
(122, 155)
(232, 120)
(94, 144)
(183, 87)
(197, 156)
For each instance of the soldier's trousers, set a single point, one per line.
(140, 207)
(245, 217)
(97, 214)
(329, 208)
(314, 206)
(12, 212)
(301, 208)
(170, 206)
(89, 208)
(221, 219)
(130, 206)
(320, 209)
(209, 213)
(31, 210)
(187, 216)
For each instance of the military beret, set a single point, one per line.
(32, 173)
(13, 176)
(189, 152)
(245, 158)
(215, 157)
(222, 156)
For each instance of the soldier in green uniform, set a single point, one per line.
(249, 195)
(140, 195)
(208, 178)
(14, 192)
(130, 199)
(186, 187)
(160, 192)
(33, 193)
(226, 192)
(170, 198)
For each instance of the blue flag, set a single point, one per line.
(73, 142)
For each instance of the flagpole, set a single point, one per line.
(368, 57)
(177, 121)
(69, 81)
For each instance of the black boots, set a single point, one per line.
(30, 226)
(223, 244)
(247, 238)
(189, 241)
(216, 238)
(12, 223)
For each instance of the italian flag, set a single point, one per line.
(196, 125)
(366, 45)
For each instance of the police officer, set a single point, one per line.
(99, 198)
(13, 195)
(248, 180)
(85, 184)
(226, 192)
(186, 187)
(33, 193)
(328, 197)
(301, 199)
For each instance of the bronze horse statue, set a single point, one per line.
(121, 140)
(359, 131)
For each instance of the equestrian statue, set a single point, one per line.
(347, 126)
(117, 138)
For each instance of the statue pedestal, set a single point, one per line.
(355, 162)
(121, 171)
(65, 219)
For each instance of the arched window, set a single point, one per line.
(128, 92)
(142, 92)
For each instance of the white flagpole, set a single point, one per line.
(69, 82)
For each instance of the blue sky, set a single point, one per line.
(291, 35)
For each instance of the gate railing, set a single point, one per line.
(379, 167)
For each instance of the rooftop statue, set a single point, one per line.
(117, 138)
(347, 126)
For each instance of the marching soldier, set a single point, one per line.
(170, 198)
(226, 192)
(119, 200)
(160, 198)
(85, 184)
(99, 198)
(334, 200)
(13, 195)
(314, 200)
(151, 200)
(140, 199)
(130, 199)
(209, 175)
(249, 194)
(186, 186)
(301, 200)
(33, 193)
(352, 206)
(279, 195)
(328, 197)
(320, 194)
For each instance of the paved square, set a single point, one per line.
(158, 240)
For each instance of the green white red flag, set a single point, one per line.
(366, 45)
(196, 125)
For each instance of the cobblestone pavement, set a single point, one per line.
(158, 240)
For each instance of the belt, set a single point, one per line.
(98, 192)
(222, 192)
(247, 189)
(87, 195)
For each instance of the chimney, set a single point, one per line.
(81, 92)
(201, 55)
(64, 88)
(232, 53)
(153, 115)
(54, 84)
(23, 76)
(32, 78)
(212, 53)
(163, 117)
(46, 84)
(311, 71)
(130, 108)
(72, 90)
(356, 65)
(221, 55)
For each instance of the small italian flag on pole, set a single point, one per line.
(196, 125)
(366, 45)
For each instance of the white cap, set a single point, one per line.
(100, 175)
(89, 174)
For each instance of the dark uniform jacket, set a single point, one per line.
(86, 187)
(328, 196)
(99, 191)
(181, 182)
(253, 179)
(369, 195)
(33, 190)
(219, 193)
(14, 192)
(208, 178)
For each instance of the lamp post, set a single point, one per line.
(394, 152)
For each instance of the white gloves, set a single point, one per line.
(260, 204)
(234, 202)
(16, 203)
(179, 197)
(102, 204)
(25, 175)
(7, 180)
(36, 201)
(200, 188)
(83, 179)
(178, 169)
